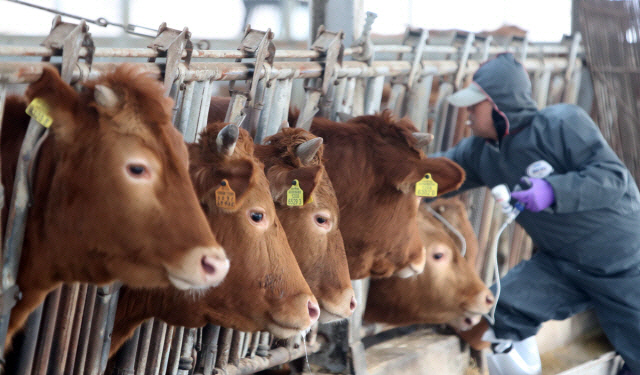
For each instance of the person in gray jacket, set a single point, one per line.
(582, 211)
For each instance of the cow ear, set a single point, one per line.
(280, 179)
(446, 173)
(60, 100)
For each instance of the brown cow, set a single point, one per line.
(111, 194)
(312, 229)
(374, 163)
(448, 291)
(264, 289)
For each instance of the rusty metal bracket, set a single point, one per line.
(170, 44)
(67, 39)
(259, 45)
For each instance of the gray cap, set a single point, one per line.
(468, 96)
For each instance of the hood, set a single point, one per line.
(507, 84)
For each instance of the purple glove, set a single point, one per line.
(538, 197)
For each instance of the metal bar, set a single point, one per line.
(156, 344)
(104, 295)
(359, 96)
(224, 345)
(235, 348)
(276, 357)
(335, 97)
(279, 106)
(185, 109)
(253, 346)
(186, 354)
(248, 338)
(146, 330)
(85, 330)
(166, 350)
(203, 110)
(112, 306)
(373, 95)
(418, 101)
(267, 101)
(210, 334)
(28, 348)
(47, 328)
(125, 358)
(64, 325)
(176, 349)
(191, 131)
(77, 327)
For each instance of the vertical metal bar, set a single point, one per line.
(143, 346)
(156, 344)
(210, 334)
(191, 131)
(334, 96)
(253, 347)
(185, 109)
(248, 336)
(77, 326)
(279, 106)
(224, 345)
(102, 308)
(346, 104)
(108, 328)
(46, 332)
(166, 350)
(238, 101)
(397, 98)
(176, 349)
(359, 96)
(373, 95)
(85, 330)
(235, 348)
(3, 97)
(186, 354)
(418, 101)
(125, 358)
(542, 86)
(64, 325)
(205, 103)
(269, 90)
(28, 349)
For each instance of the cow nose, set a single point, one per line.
(489, 299)
(214, 268)
(314, 311)
(353, 304)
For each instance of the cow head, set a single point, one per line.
(448, 291)
(312, 229)
(264, 289)
(374, 163)
(113, 190)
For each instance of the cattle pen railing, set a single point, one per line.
(69, 333)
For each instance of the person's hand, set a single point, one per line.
(538, 197)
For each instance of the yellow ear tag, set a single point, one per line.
(295, 194)
(225, 197)
(39, 110)
(427, 187)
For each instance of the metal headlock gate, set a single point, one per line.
(70, 332)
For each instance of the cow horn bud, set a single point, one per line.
(227, 138)
(105, 97)
(423, 139)
(306, 151)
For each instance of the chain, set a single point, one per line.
(102, 22)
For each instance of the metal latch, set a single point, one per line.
(170, 44)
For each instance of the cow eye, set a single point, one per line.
(438, 256)
(322, 221)
(257, 217)
(137, 170)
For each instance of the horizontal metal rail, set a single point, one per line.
(27, 72)
(38, 51)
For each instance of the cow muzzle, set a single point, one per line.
(202, 268)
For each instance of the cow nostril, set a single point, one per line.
(468, 321)
(353, 304)
(489, 300)
(314, 311)
(208, 265)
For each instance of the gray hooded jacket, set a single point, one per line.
(595, 221)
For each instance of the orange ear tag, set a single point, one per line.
(427, 187)
(225, 197)
(39, 110)
(295, 194)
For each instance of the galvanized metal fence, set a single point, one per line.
(69, 334)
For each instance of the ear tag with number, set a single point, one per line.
(295, 194)
(225, 197)
(39, 110)
(427, 187)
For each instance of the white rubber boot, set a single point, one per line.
(513, 357)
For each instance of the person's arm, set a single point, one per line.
(596, 177)
(463, 154)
